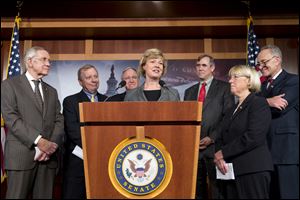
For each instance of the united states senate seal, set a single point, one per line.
(140, 168)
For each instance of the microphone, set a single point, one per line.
(162, 83)
(121, 84)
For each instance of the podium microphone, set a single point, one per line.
(121, 84)
(162, 83)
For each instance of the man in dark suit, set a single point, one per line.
(130, 76)
(282, 94)
(217, 100)
(73, 173)
(31, 111)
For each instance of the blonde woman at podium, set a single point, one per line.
(152, 67)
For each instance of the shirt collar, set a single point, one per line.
(89, 94)
(277, 74)
(30, 77)
(208, 81)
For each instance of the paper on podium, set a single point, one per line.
(77, 151)
(229, 175)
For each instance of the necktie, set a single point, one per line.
(270, 81)
(93, 98)
(38, 95)
(202, 92)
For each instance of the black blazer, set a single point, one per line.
(243, 139)
(72, 129)
(218, 100)
(283, 137)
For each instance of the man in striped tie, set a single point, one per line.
(31, 111)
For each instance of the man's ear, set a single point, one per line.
(80, 82)
(213, 67)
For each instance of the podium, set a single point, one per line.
(176, 125)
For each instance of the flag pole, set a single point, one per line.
(249, 20)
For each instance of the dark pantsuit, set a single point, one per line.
(239, 189)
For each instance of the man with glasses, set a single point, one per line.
(31, 111)
(130, 76)
(282, 94)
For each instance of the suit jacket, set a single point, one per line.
(283, 137)
(217, 101)
(25, 121)
(167, 94)
(117, 97)
(73, 164)
(243, 139)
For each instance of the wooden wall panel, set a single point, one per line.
(290, 53)
(174, 49)
(232, 45)
(139, 46)
(62, 46)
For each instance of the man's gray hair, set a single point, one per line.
(31, 52)
(274, 49)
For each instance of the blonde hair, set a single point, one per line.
(151, 54)
(249, 72)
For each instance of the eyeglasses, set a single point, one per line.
(264, 63)
(131, 77)
(235, 76)
(42, 60)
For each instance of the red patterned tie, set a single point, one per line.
(202, 92)
(270, 81)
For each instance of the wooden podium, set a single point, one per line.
(175, 124)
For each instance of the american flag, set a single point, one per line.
(14, 65)
(13, 69)
(252, 45)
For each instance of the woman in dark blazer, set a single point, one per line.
(152, 67)
(243, 139)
